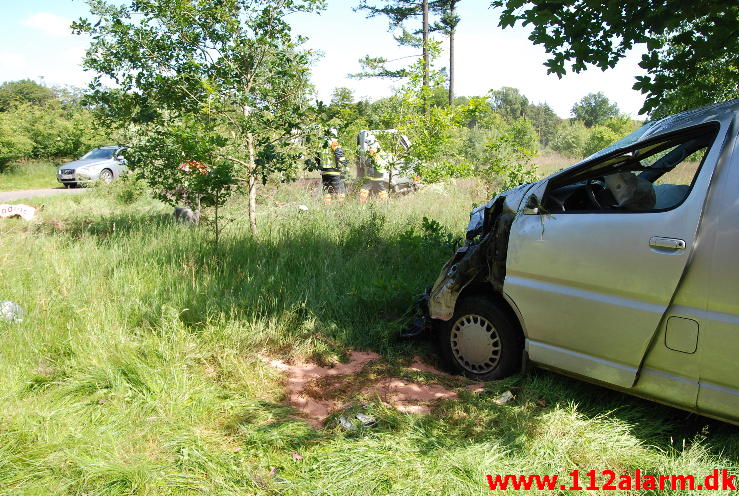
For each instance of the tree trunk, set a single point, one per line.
(451, 68)
(425, 54)
(452, 32)
(252, 184)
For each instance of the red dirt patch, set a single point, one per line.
(419, 366)
(318, 391)
(409, 397)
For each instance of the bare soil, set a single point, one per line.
(317, 391)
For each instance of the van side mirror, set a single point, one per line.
(532, 205)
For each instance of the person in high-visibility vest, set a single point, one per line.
(333, 169)
(377, 173)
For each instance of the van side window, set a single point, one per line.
(651, 176)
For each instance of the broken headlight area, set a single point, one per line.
(482, 258)
(477, 217)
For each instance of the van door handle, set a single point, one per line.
(667, 243)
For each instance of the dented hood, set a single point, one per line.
(483, 255)
(512, 199)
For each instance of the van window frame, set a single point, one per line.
(711, 128)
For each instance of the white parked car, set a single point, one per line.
(101, 164)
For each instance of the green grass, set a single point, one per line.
(29, 175)
(137, 369)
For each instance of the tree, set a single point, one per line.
(509, 103)
(397, 13)
(400, 11)
(426, 58)
(545, 120)
(448, 25)
(14, 93)
(341, 97)
(693, 35)
(594, 109)
(220, 83)
(570, 139)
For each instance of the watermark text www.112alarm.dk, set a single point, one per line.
(608, 480)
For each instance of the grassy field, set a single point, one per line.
(140, 367)
(29, 175)
(548, 162)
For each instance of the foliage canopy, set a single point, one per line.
(24, 91)
(693, 47)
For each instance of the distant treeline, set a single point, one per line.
(39, 122)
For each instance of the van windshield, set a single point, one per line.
(625, 141)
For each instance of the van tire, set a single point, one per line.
(479, 341)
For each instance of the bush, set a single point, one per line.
(128, 189)
(570, 139)
(437, 171)
(507, 164)
(600, 137)
(523, 134)
(58, 131)
(14, 144)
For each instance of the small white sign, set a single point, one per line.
(25, 212)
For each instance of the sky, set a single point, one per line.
(36, 43)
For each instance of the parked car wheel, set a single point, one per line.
(106, 176)
(479, 341)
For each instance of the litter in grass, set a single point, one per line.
(186, 215)
(11, 312)
(25, 212)
(346, 424)
(303, 208)
(367, 420)
(503, 398)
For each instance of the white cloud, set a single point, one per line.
(15, 66)
(58, 67)
(51, 24)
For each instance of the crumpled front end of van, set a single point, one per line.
(482, 257)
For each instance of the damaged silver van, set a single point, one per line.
(622, 269)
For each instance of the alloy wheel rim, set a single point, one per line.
(106, 176)
(476, 344)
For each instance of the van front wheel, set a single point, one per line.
(479, 341)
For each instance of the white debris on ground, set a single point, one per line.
(11, 312)
(25, 212)
(346, 424)
(367, 420)
(503, 398)
(303, 208)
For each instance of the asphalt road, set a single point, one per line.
(35, 193)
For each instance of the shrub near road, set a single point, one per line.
(140, 367)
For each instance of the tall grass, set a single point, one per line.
(549, 161)
(28, 175)
(138, 369)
